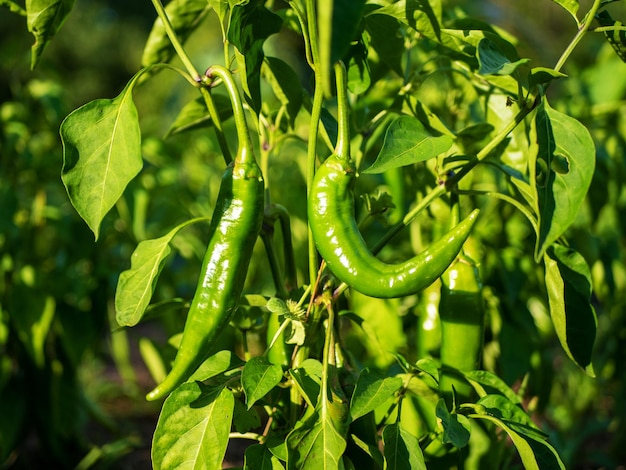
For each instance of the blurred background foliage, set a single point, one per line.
(72, 382)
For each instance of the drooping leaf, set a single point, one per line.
(407, 142)
(195, 114)
(259, 457)
(193, 428)
(492, 61)
(136, 285)
(562, 166)
(44, 18)
(492, 383)
(14, 8)
(422, 16)
(250, 25)
(185, 16)
(543, 76)
(568, 281)
(402, 449)
(286, 85)
(456, 427)
(101, 154)
(571, 6)
(259, 376)
(372, 390)
(512, 414)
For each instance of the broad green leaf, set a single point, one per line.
(193, 428)
(535, 455)
(136, 285)
(402, 449)
(359, 79)
(562, 166)
(32, 314)
(319, 442)
(185, 16)
(371, 449)
(543, 76)
(568, 281)
(286, 85)
(307, 379)
(101, 154)
(245, 420)
(250, 25)
(259, 376)
(195, 115)
(14, 8)
(221, 361)
(424, 17)
(492, 382)
(571, 6)
(407, 142)
(372, 390)
(386, 40)
(456, 427)
(512, 414)
(259, 457)
(44, 18)
(222, 8)
(493, 62)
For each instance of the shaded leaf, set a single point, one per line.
(402, 449)
(244, 419)
(456, 427)
(493, 62)
(407, 142)
(286, 85)
(250, 25)
(185, 16)
(193, 428)
(195, 114)
(259, 457)
(101, 154)
(44, 18)
(512, 414)
(422, 16)
(616, 38)
(259, 376)
(543, 76)
(372, 390)
(308, 378)
(568, 281)
(136, 285)
(493, 383)
(32, 316)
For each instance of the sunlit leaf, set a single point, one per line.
(259, 376)
(407, 142)
(44, 19)
(372, 390)
(493, 62)
(512, 414)
(221, 361)
(571, 6)
(195, 114)
(101, 154)
(402, 449)
(568, 281)
(193, 428)
(422, 16)
(136, 285)
(562, 166)
(14, 8)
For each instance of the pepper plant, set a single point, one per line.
(439, 211)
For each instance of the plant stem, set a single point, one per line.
(579, 35)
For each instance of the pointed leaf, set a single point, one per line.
(195, 115)
(14, 8)
(512, 414)
(308, 378)
(562, 167)
(259, 457)
(193, 428)
(493, 383)
(402, 449)
(221, 361)
(456, 427)
(407, 142)
(185, 16)
(259, 376)
(286, 85)
(44, 19)
(571, 6)
(424, 17)
(101, 154)
(493, 62)
(568, 281)
(136, 285)
(372, 390)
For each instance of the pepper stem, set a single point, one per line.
(342, 149)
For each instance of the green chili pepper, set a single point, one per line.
(338, 240)
(235, 226)
(462, 313)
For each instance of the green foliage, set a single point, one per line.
(309, 373)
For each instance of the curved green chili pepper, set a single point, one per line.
(462, 313)
(235, 226)
(338, 240)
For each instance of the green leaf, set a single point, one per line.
(407, 142)
(245, 419)
(193, 428)
(386, 40)
(372, 390)
(543, 76)
(617, 37)
(493, 62)
(402, 449)
(568, 281)
(221, 361)
(136, 285)
(571, 6)
(512, 414)
(259, 457)
(195, 115)
(286, 85)
(492, 382)
(359, 79)
(101, 154)
(14, 8)
(259, 376)
(535, 455)
(250, 25)
(185, 16)
(33, 313)
(456, 427)
(44, 18)
(424, 17)
(307, 379)
(562, 166)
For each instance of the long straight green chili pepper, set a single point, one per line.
(338, 240)
(235, 226)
